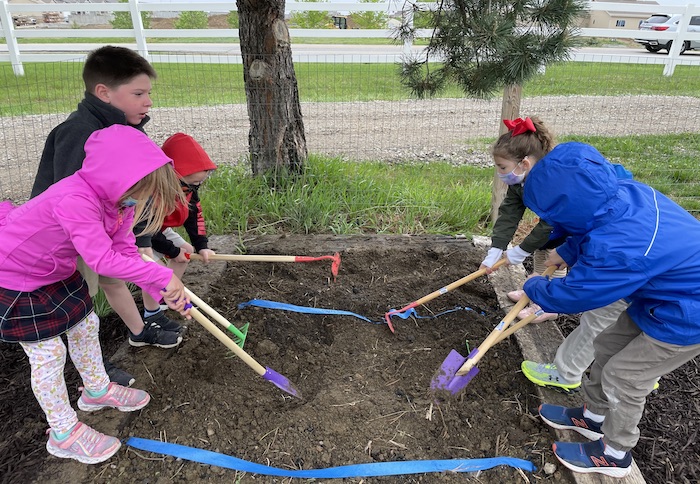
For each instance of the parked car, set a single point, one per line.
(668, 23)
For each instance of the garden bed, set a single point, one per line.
(366, 391)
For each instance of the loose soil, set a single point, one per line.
(366, 395)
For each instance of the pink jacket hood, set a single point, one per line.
(79, 215)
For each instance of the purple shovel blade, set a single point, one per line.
(446, 379)
(446, 373)
(459, 382)
(281, 382)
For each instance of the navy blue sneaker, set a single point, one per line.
(570, 419)
(590, 457)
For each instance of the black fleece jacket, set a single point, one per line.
(64, 150)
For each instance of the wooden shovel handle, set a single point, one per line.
(221, 336)
(246, 257)
(211, 327)
(495, 335)
(453, 285)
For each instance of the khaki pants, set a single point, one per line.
(627, 364)
(576, 353)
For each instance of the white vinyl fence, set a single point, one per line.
(16, 56)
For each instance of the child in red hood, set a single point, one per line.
(193, 166)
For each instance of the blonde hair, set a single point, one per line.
(532, 144)
(158, 194)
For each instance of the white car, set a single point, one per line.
(667, 23)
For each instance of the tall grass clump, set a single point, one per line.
(342, 197)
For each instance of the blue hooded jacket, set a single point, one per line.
(628, 241)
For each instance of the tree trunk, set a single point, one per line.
(276, 138)
(510, 109)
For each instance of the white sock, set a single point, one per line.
(593, 416)
(618, 454)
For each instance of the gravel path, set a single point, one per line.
(453, 130)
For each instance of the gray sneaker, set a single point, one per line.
(154, 335)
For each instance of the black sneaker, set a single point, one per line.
(154, 335)
(165, 322)
(118, 376)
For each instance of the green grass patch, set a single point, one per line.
(343, 197)
(336, 196)
(57, 87)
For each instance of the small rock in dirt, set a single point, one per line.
(210, 431)
(266, 347)
(485, 444)
(550, 468)
(526, 423)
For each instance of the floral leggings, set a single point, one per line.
(48, 358)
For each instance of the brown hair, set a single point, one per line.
(114, 66)
(532, 144)
(164, 194)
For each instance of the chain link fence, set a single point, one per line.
(354, 118)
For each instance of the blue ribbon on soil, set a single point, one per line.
(264, 303)
(356, 470)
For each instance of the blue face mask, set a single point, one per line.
(129, 202)
(512, 178)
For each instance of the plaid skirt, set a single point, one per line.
(44, 313)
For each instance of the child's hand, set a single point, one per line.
(175, 297)
(147, 251)
(516, 255)
(181, 257)
(553, 259)
(205, 253)
(493, 256)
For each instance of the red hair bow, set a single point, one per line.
(519, 126)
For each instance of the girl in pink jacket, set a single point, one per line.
(42, 296)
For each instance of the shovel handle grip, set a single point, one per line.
(497, 334)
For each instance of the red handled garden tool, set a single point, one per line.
(335, 258)
(456, 371)
(441, 291)
(268, 374)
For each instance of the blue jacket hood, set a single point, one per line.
(573, 188)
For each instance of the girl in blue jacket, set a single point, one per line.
(628, 241)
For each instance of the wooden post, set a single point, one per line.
(510, 109)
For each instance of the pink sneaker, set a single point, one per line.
(516, 296)
(532, 309)
(122, 398)
(84, 444)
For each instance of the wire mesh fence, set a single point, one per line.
(359, 111)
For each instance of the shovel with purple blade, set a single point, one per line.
(267, 373)
(456, 371)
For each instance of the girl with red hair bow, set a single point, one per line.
(514, 154)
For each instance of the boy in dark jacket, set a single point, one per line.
(628, 241)
(117, 91)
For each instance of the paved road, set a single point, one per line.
(223, 49)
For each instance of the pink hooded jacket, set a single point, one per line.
(41, 239)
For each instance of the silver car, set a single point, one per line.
(667, 23)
